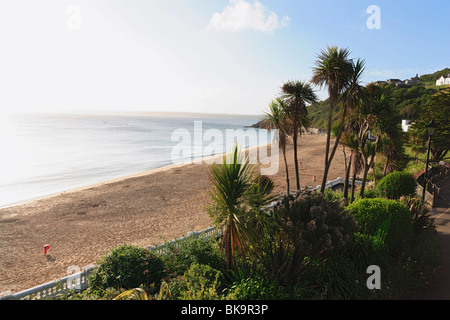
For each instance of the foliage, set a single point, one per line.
(367, 250)
(324, 225)
(298, 233)
(180, 255)
(434, 76)
(297, 95)
(408, 101)
(337, 278)
(199, 282)
(231, 183)
(437, 109)
(397, 184)
(276, 119)
(332, 195)
(335, 70)
(368, 193)
(256, 287)
(373, 214)
(260, 194)
(420, 214)
(127, 267)
(141, 294)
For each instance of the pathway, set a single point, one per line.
(440, 288)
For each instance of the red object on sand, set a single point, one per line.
(46, 247)
(314, 178)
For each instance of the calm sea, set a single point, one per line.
(46, 154)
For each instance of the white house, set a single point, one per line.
(406, 124)
(444, 80)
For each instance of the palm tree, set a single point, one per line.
(373, 117)
(333, 69)
(231, 181)
(297, 95)
(349, 140)
(392, 147)
(276, 119)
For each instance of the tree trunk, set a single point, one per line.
(386, 164)
(353, 182)
(366, 171)
(287, 171)
(327, 147)
(363, 185)
(294, 137)
(329, 157)
(347, 177)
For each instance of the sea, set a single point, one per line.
(45, 154)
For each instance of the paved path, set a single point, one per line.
(440, 288)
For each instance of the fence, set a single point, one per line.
(433, 190)
(79, 281)
(73, 283)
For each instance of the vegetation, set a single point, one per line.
(437, 109)
(276, 119)
(297, 95)
(311, 245)
(334, 70)
(127, 267)
(397, 184)
(386, 218)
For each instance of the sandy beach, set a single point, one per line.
(149, 208)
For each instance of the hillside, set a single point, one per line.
(408, 99)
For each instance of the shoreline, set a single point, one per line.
(146, 208)
(125, 177)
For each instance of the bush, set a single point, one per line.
(298, 232)
(337, 278)
(367, 250)
(181, 255)
(256, 288)
(324, 225)
(378, 215)
(200, 282)
(397, 184)
(127, 267)
(332, 195)
(368, 194)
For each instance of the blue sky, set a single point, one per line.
(216, 56)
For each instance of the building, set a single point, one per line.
(414, 80)
(444, 80)
(394, 81)
(406, 125)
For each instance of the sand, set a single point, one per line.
(145, 209)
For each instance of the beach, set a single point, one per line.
(144, 209)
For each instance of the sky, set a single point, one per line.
(202, 56)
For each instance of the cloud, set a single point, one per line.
(241, 15)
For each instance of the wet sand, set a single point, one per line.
(145, 209)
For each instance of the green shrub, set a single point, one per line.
(384, 215)
(337, 278)
(181, 255)
(332, 195)
(368, 194)
(256, 288)
(127, 267)
(397, 184)
(420, 214)
(367, 250)
(200, 282)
